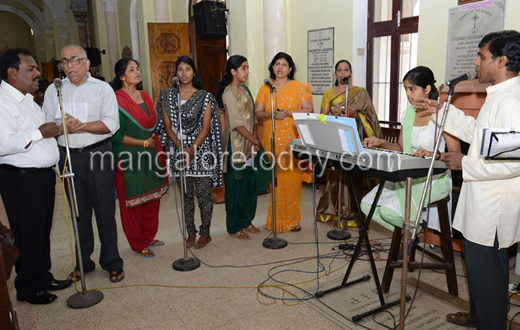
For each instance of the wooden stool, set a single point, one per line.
(447, 263)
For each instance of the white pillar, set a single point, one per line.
(162, 11)
(274, 29)
(113, 40)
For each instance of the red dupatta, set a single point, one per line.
(147, 121)
(126, 102)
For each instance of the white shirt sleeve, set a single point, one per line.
(110, 112)
(11, 140)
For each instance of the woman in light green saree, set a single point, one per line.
(417, 137)
(356, 104)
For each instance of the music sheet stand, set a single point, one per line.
(339, 134)
(323, 135)
(500, 144)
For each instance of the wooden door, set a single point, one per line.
(168, 42)
(211, 57)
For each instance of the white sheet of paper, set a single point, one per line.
(505, 145)
(249, 162)
(305, 134)
(76, 110)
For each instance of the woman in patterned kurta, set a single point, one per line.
(201, 134)
(140, 183)
(416, 137)
(292, 96)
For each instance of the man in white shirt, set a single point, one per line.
(28, 154)
(92, 118)
(488, 210)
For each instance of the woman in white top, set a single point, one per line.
(418, 138)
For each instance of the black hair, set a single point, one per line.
(11, 59)
(120, 70)
(186, 59)
(495, 35)
(289, 60)
(508, 46)
(336, 68)
(234, 62)
(423, 76)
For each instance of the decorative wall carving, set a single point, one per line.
(168, 43)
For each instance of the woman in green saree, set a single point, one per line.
(355, 104)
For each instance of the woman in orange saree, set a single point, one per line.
(292, 96)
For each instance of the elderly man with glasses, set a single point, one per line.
(92, 118)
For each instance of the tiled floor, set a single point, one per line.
(222, 293)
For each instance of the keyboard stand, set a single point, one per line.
(363, 237)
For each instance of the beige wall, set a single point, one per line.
(123, 19)
(311, 15)
(433, 32)
(16, 33)
(246, 37)
(179, 11)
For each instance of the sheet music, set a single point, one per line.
(305, 135)
(337, 134)
(344, 135)
(500, 143)
(76, 110)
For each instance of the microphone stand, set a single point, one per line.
(339, 234)
(274, 242)
(186, 263)
(430, 169)
(84, 298)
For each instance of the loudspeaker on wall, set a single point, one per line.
(94, 56)
(210, 19)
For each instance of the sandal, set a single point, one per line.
(295, 229)
(117, 275)
(461, 318)
(242, 235)
(253, 229)
(156, 242)
(78, 275)
(191, 240)
(147, 253)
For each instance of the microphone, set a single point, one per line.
(58, 83)
(344, 80)
(269, 83)
(176, 82)
(468, 75)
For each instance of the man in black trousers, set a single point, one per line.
(92, 117)
(28, 154)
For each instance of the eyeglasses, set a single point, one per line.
(74, 60)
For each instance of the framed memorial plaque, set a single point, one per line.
(320, 59)
(467, 25)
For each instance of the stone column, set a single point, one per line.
(162, 11)
(82, 20)
(113, 39)
(274, 29)
(64, 34)
(80, 9)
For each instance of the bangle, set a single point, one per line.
(438, 154)
(145, 143)
(257, 143)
